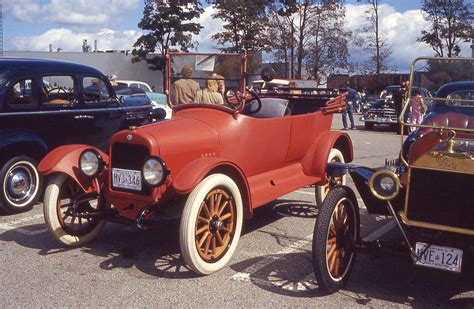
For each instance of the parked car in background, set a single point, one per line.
(427, 190)
(211, 165)
(135, 84)
(45, 104)
(158, 100)
(382, 111)
(261, 86)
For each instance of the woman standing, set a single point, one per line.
(417, 108)
(210, 94)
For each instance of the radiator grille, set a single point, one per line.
(130, 157)
(441, 197)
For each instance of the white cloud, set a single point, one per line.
(79, 14)
(401, 31)
(211, 27)
(71, 41)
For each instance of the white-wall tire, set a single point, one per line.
(21, 184)
(335, 155)
(207, 247)
(52, 213)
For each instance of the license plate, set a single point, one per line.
(126, 179)
(445, 258)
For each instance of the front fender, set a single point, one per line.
(21, 142)
(65, 159)
(326, 142)
(360, 175)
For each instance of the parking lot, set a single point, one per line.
(270, 268)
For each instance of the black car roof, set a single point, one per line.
(449, 88)
(14, 68)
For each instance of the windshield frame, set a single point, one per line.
(242, 80)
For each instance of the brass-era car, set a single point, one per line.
(427, 190)
(211, 164)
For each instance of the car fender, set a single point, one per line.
(194, 172)
(21, 142)
(65, 159)
(325, 143)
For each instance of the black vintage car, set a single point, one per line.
(45, 104)
(382, 111)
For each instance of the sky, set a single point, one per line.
(31, 25)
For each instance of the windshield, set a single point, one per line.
(205, 79)
(451, 81)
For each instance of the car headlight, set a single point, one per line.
(90, 163)
(384, 184)
(154, 171)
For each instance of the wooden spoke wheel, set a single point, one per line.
(68, 228)
(335, 155)
(215, 225)
(78, 224)
(335, 236)
(211, 224)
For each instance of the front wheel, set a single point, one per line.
(66, 227)
(321, 191)
(211, 224)
(21, 185)
(334, 240)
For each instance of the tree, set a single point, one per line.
(372, 41)
(309, 33)
(450, 24)
(169, 26)
(328, 46)
(245, 22)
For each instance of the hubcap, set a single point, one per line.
(20, 184)
(215, 225)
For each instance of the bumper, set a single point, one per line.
(380, 120)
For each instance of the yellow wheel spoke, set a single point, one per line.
(202, 230)
(203, 238)
(219, 238)
(204, 220)
(222, 207)
(226, 216)
(206, 209)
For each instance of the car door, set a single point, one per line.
(23, 109)
(97, 115)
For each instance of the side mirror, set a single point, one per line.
(268, 74)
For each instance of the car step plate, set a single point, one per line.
(445, 258)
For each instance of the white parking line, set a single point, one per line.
(247, 272)
(13, 225)
(381, 231)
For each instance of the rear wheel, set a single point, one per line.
(334, 240)
(369, 126)
(321, 191)
(21, 184)
(66, 227)
(211, 224)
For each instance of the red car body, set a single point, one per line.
(265, 158)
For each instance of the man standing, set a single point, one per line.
(350, 99)
(185, 89)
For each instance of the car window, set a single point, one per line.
(58, 90)
(20, 94)
(95, 90)
(144, 87)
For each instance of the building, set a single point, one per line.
(109, 63)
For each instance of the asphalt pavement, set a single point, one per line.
(271, 267)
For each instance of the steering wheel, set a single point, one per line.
(56, 90)
(252, 102)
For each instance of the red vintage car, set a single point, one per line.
(211, 164)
